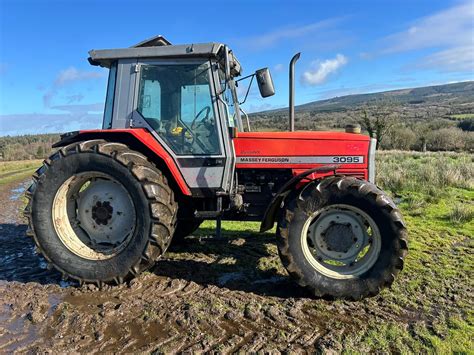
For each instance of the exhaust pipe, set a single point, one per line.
(292, 91)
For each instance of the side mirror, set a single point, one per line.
(265, 82)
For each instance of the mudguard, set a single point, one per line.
(272, 210)
(137, 138)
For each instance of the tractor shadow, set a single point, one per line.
(18, 260)
(246, 262)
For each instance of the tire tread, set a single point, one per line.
(340, 184)
(151, 179)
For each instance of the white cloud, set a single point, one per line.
(450, 27)
(323, 69)
(72, 74)
(253, 108)
(33, 123)
(448, 32)
(74, 98)
(66, 77)
(80, 109)
(451, 60)
(272, 38)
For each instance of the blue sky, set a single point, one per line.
(348, 47)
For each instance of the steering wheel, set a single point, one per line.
(208, 110)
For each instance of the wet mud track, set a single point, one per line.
(223, 295)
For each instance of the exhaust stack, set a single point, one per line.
(292, 91)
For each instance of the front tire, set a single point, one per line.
(342, 238)
(100, 212)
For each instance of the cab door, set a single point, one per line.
(177, 102)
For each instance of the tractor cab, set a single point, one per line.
(185, 95)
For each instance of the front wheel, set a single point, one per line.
(100, 212)
(342, 238)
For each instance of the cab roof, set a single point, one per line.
(159, 47)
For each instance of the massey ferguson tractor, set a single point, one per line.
(176, 149)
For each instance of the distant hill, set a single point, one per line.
(458, 92)
(426, 111)
(447, 102)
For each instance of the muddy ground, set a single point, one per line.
(225, 295)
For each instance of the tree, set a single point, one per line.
(467, 124)
(40, 152)
(421, 131)
(401, 138)
(447, 139)
(378, 119)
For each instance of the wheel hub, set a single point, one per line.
(105, 212)
(339, 237)
(94, 215)
(341, 241)
(102, 212)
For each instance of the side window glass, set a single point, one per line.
(109, 100)
(150, 102)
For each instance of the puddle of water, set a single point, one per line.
(273, 279)
(18, 259)
(17, 193)
(66, 284)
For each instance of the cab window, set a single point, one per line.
(109, 100)
(177, 103)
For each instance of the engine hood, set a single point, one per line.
(304, 135)
(301, 150)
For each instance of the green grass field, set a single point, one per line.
(430, 306)
(11, 171)
(462, 116)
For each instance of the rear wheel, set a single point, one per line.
(100, 212)
(342, 238)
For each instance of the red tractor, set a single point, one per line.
(173, 151)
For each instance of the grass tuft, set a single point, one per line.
(461, 213)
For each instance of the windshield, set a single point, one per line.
(176, 101)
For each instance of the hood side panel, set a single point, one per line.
(301, 150)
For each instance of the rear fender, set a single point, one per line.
(292, 184)
(138, 139)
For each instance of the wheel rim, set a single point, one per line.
(94, 215)
(341, 241)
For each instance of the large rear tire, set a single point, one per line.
(100, 212)
(342, 238)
